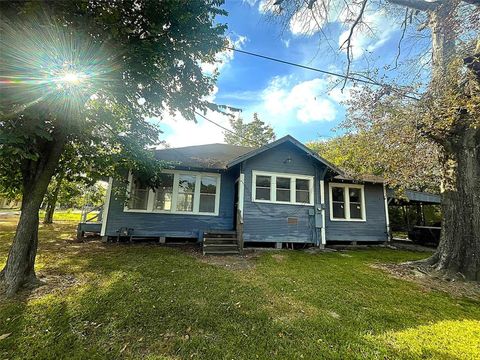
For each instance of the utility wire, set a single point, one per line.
(346, 77)
(226, 129)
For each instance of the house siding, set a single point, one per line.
(173, 225)
(373, 229)
(268, 222)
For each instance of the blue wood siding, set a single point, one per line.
(374, 229)
(156, 224)
(268, 222)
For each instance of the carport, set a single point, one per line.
(415, 211)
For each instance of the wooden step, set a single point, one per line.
(220, 240)
(220, 246)
(215, 232)
(220, 236)
(221, 252)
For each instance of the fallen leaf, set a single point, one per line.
(4, 336)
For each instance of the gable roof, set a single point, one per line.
(280, 141)
(210, 156)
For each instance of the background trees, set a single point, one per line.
(443, 104)
(89, 74)
(253, 134)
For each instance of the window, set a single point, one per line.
(302, 191)
(282, 188)
(262, 185)
(338, 200)
(138, 197)
(163, 193)
(355, 203)
(208, 191)
(347, 202)
(184, 192)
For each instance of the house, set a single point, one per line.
(226, 196)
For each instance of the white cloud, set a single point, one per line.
(184, 132)
(307, 101)
(223, 58)
(376, 31)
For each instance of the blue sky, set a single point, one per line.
(294, 101)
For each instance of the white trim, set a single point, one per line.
(387, 218)
(322, 204)
(346, 197)
(273, 185)
(106, 206)
(241, 195)
(196, 196)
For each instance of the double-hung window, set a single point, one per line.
(138, 198)
(186, 192)
(164, 193)
(282, 188)
(347, 202)
(178, 192)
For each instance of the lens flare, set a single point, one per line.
(44, 61)
(71, 78)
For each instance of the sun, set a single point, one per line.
(71, 77)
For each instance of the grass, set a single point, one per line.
(146, 301)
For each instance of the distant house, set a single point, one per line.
(226, 196)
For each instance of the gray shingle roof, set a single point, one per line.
(210, 156)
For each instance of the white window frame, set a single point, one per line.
(273, 187)
(173, 210)
(346, 196)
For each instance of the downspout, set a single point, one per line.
(387, 219)
(105, 208)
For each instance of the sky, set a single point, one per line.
(294, 101)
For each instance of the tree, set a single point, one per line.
(90, 73)
(448, 108)
(412, 164)
(252, 134)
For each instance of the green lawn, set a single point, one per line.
(146, 301)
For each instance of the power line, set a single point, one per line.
(226, 129)
(347, 77)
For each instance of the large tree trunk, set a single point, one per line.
(20, 267)
(52, 201)
(459, 250)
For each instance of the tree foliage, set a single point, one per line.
(88, 74)
(382, 151)
(252, 134)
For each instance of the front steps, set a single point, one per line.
(220, 242)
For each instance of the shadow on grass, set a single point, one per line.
(144, 301)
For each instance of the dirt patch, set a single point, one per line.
(429, 280)
(48, 284)
(278, 257)
(238, 262)
(409, 245)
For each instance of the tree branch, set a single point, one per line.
(399, 46)
(349, 39)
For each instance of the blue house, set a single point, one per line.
(228, 196)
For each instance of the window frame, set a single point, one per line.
(273, 187)
(346, 196)
(196, 197)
